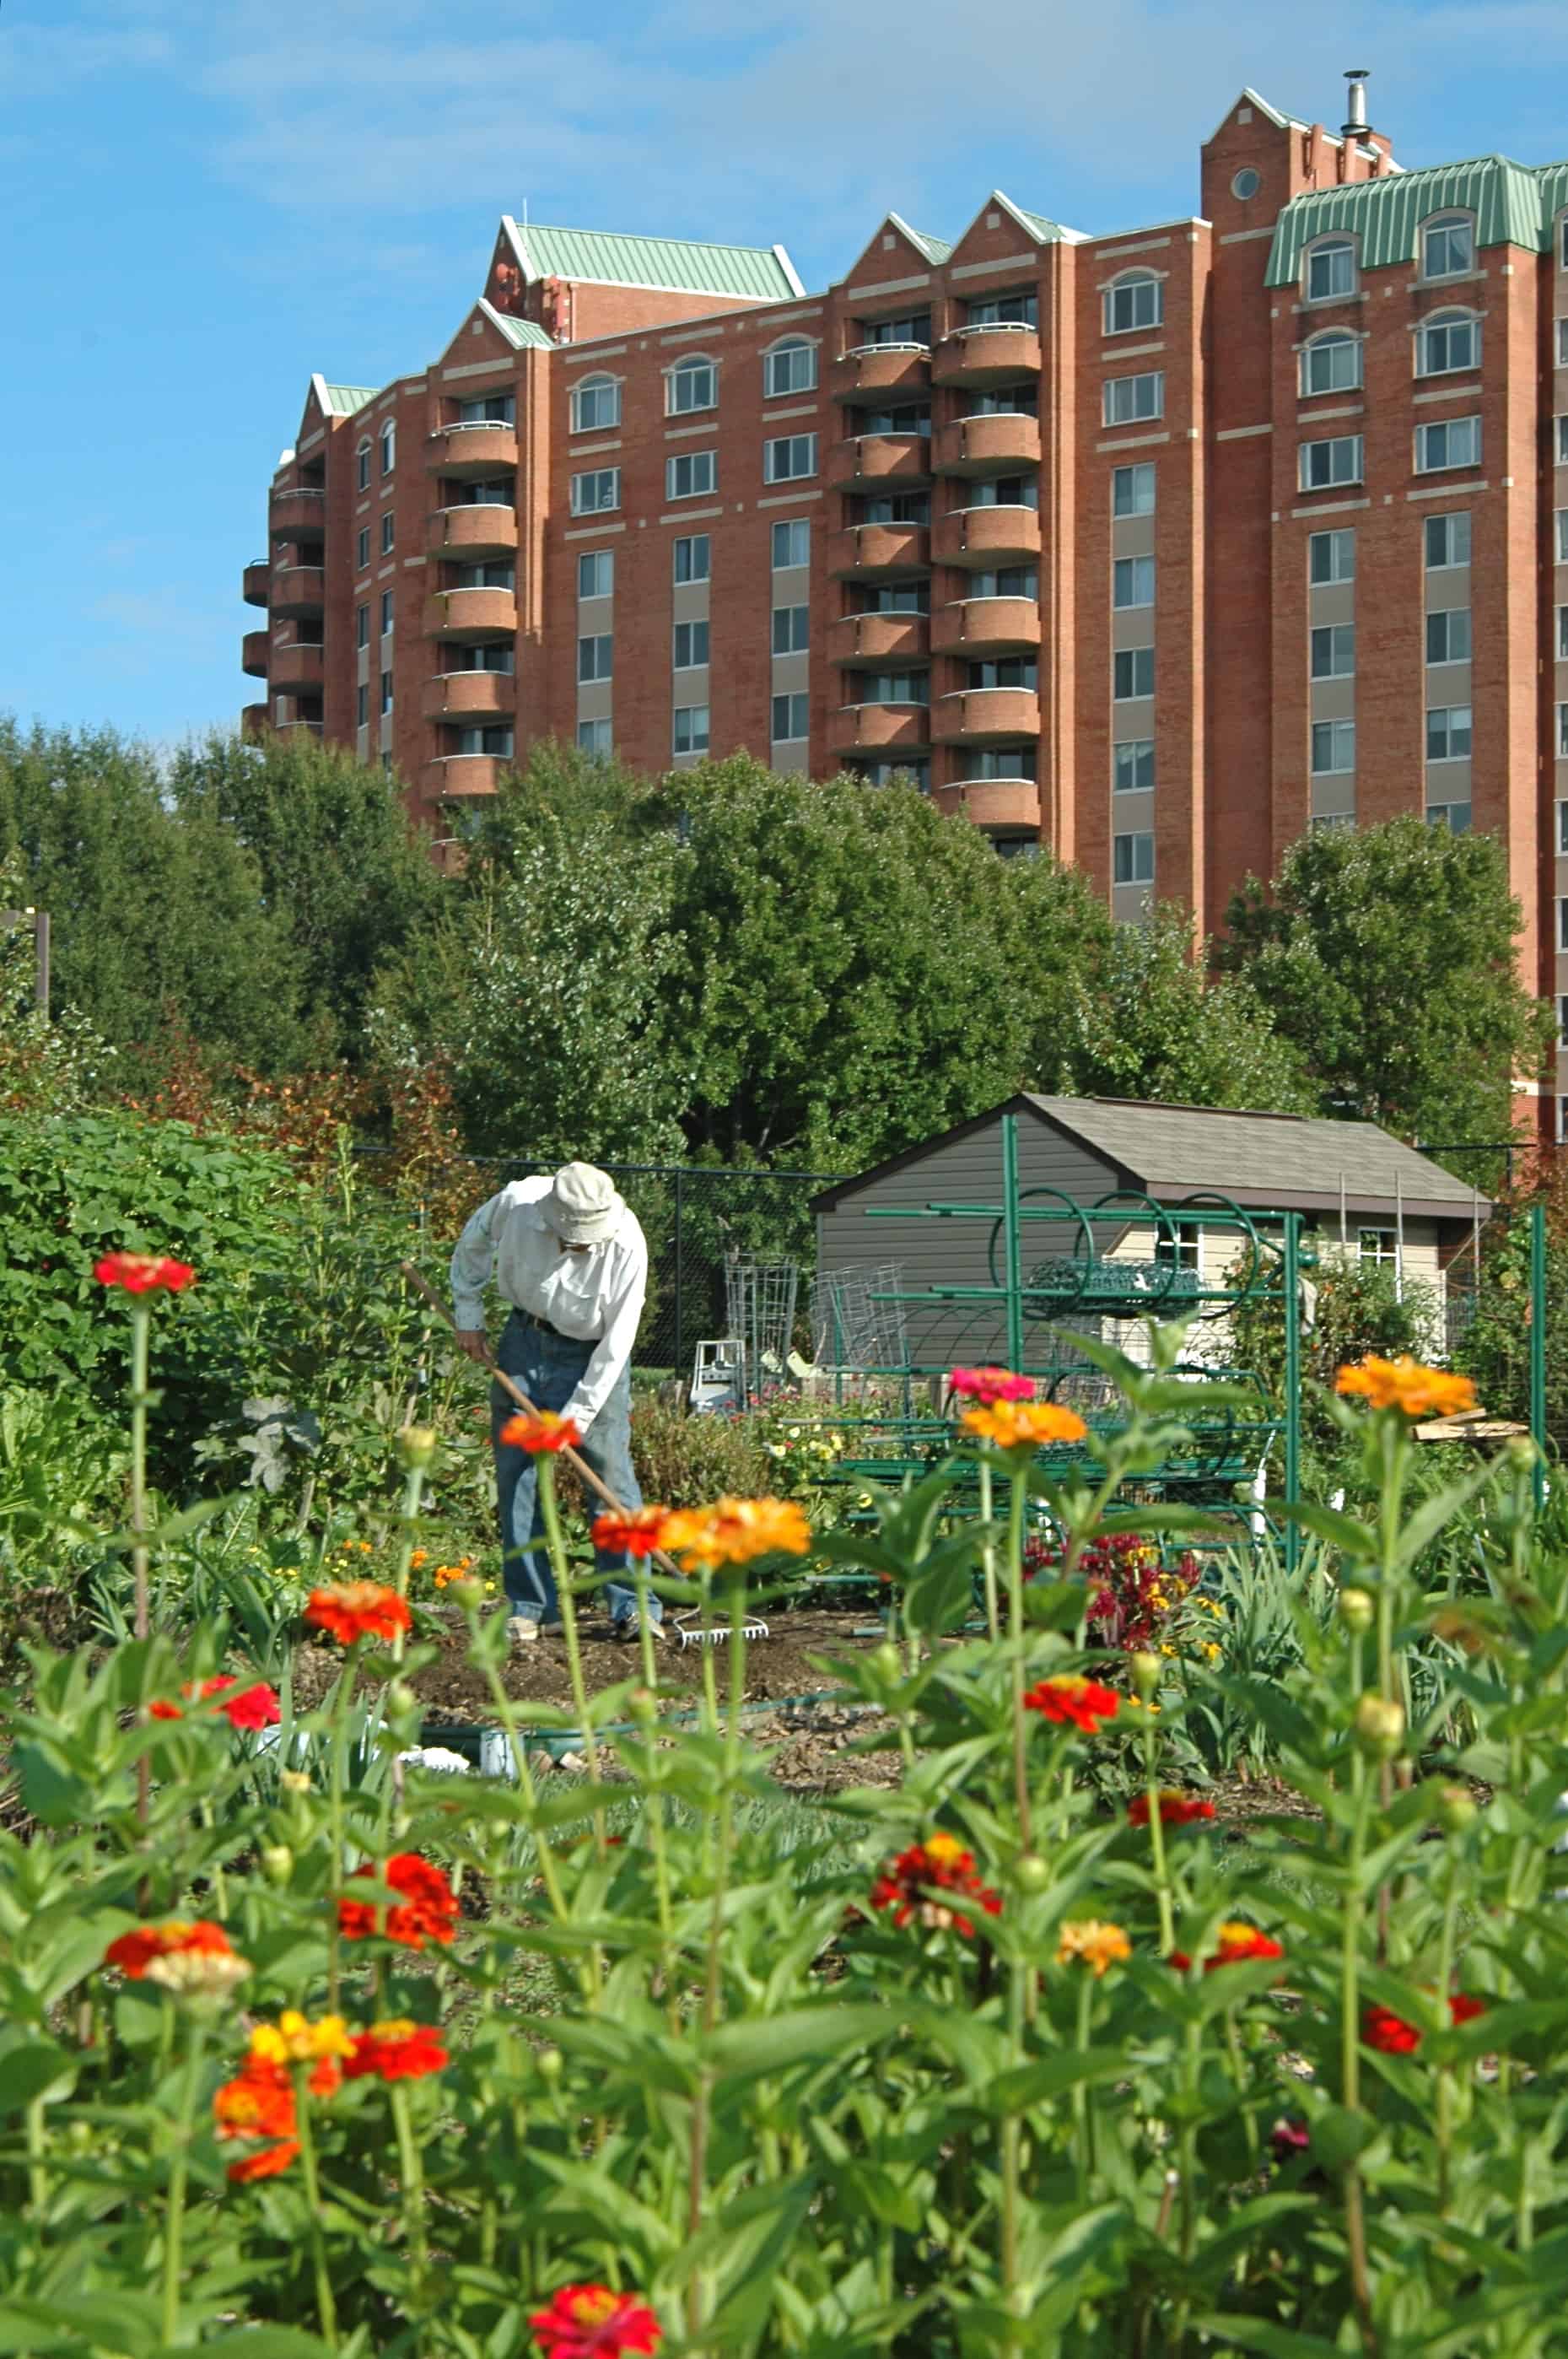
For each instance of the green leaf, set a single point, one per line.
(1354, 1540)
(34, 2068)
(745, 2050)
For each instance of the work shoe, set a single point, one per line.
(522, 1632)
(628, 1630)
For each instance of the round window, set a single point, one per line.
(1246, 183)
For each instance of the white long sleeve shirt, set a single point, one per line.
(595, 1297)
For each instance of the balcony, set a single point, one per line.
(988, 446)
(868, 371)
(255, 649)
(880, 553)
(880, 729)
(254, 582)
(298, 728)
(868, 462)
(461, 774)
(986, 716)
(468, 695)
(486, 448)
(878, 638)
(471, 614)
(973, 627)
(298, 513)
(253, 721)
(298, 590)
(987, 536)
(295, 665)
(472, 529)
(998, 355)
(1000, 806)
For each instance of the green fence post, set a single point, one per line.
(1010, 1218)
(1293, 1380)
(1538, 1344)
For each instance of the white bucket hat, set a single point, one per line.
(583, 1207)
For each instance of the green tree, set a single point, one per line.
(1388, 956)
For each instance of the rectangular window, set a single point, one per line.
(362, 473)
(1331, 365)
(388, 531)
(1179, 1246)
(690, 384)
(1132, 765)
(1563, 635)
(1008, 581)
(596, 574)
(790, 629)
(1129, 399)
(593, 736)
(1336, 460)
(1003, 491)
(596, 655)
(1331, 557)
(1563, 1019)
(495, 738)
(1562, 830)
(1448, 540)
(362, 549)
(792, 543)
(1562, 925)
(1132, 673)
(483, 658)
(788, 456)
(690, 644)
(488, 410)
(496, 573)
(1132, 491)
(689, 473)
(904, 508)
(361, 626)
(1001, 762)
(1132, 582)
(1377, 1245)
(1450, 249)
(1331, 272)
(789, 368)
(1136, 303)
(912, 328)
(1448, 733)
(1448, 442)
(893, 688)
(994, 311)
(1448, 635)
(1563, 733)
(1455, 816)
(595, 404)
(1004, 671)
(362, 705)
(1324, 822)
(1332, 747)
(388, 447)
(792, 719)
(1562, 326)
(1560, 441)
(909, 418)
(691, 729)
(597, 489)
(493, 492)
(386, 609)
(1333, 651)
(386, 691)
(693, 558)
(1132, 859)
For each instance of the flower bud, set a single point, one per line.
(1379, 1727)
(277, 1862)
(886, 1660)
(401, 1699)
(1145, 1670)
(466, 1595)
(417, 1444)
(294, 1781)
(1456, 1808)
(550, 2062)
(1031, 1872)
(1357, 1610)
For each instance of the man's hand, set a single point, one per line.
(475, 1343)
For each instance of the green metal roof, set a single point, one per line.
(1514, 204)
(934, 249)
(1048, 233)
(757, 274)
(518, 332)
(344, 399)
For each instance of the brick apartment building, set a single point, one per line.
(1160, 548)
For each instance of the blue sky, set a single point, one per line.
(209, 198)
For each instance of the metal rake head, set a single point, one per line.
(716, 1636)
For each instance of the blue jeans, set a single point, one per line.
(548, 1369)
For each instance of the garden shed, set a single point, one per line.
(1122, 1199)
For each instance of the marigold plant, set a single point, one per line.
(351, 1610)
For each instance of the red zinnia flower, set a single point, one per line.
(396, 2050)
(265, 2163)
(257, 2102)
(540, 1429)
(940, 1862)
(1288, 2137)
(590, 2321)
(135, 1952)
(636, 1533)
(991, 1384)
(1390, 2034)
(1176, 1810)
(144, 1272)
(253, 1707)
(1069, 1699)
(427, 1912)
(1238, 1943)
(358, 1609)
(1464, 2008)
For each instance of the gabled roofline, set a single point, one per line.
(790, 272)
(1026, 224)
(517, 238)
(919, 239)
(500, 319)
(1255, 98)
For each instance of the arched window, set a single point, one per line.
(789, 366)
(691, 384)
(596, 401)
(1332, 363)
(1135, 300)
(1448, 246)
(388, 446)
(1447, 342)
(1330, 269)
(362, 468)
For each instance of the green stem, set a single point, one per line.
(988, 1556)
(644, 1708)
(1082, 2104)
(1238, 2077)
(141, 1323)
(220, 1882)
(549, 1869)
(544, 1468)
(174, 2214)
(1350, 2052)
(1444, 2090)
(413, 2177)
(335, 1819)
(326, 2308)
(413, 1491)
(1157, 1838)
(37, 2175)
(1014, 1575)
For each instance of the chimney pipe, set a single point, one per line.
(1355, 126)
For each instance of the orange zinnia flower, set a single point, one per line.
(265, 2163)
(636, 1533)
(396, 2050)
(144, 1272)
(1238, 1943)
(257, 2102)
(358, 1609)
(426, 1910)
(590, 2321)
(1024, 1424)
(540, 1430)
(939, 1865)
(1070, 1700)
(734, 1531)
(1405, 1385)
(133, 1953)
(1093, 1943)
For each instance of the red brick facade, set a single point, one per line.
(1170, 694)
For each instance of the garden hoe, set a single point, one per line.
(583, 1470)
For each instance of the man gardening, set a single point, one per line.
(570, 1257)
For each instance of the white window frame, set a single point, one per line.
(1137, 750)
(1561, 353)
(1135, 838)
(361, 464)
(595, 385)
(1354, 472)
(1137, 694)
(1468, 656)
(794, 348)
(795, 647)
(1449, 564)
(688, 712)
(692, 663)
(1335, 535)
(700, 469)
(1333, 242)
(1334, 731)
(1136, 414)
(361, 626)
(1563, 733)
(1562, 634)
(388, 531)
(1440, 223)
(797, 699)
(1431, 427)
(362, 550)
(1125, 283)
(362, 705)
(581, 505)
(597, 641)
(1445, 320)
(1385, 1253)
(388, 690)
(689, 365)
(1561, 515)
(1135, 472)
(1136, 574)
(1560, 440)
(589, 732)
(791, 525)
(1332, 340)
(600, 559)
(788, 445)
(388, 614)
(1334, 638)
(1442, 815)
(689, 540)
(388, 450)
(1434, 760)
(1563, 1019)
(1562, 925)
